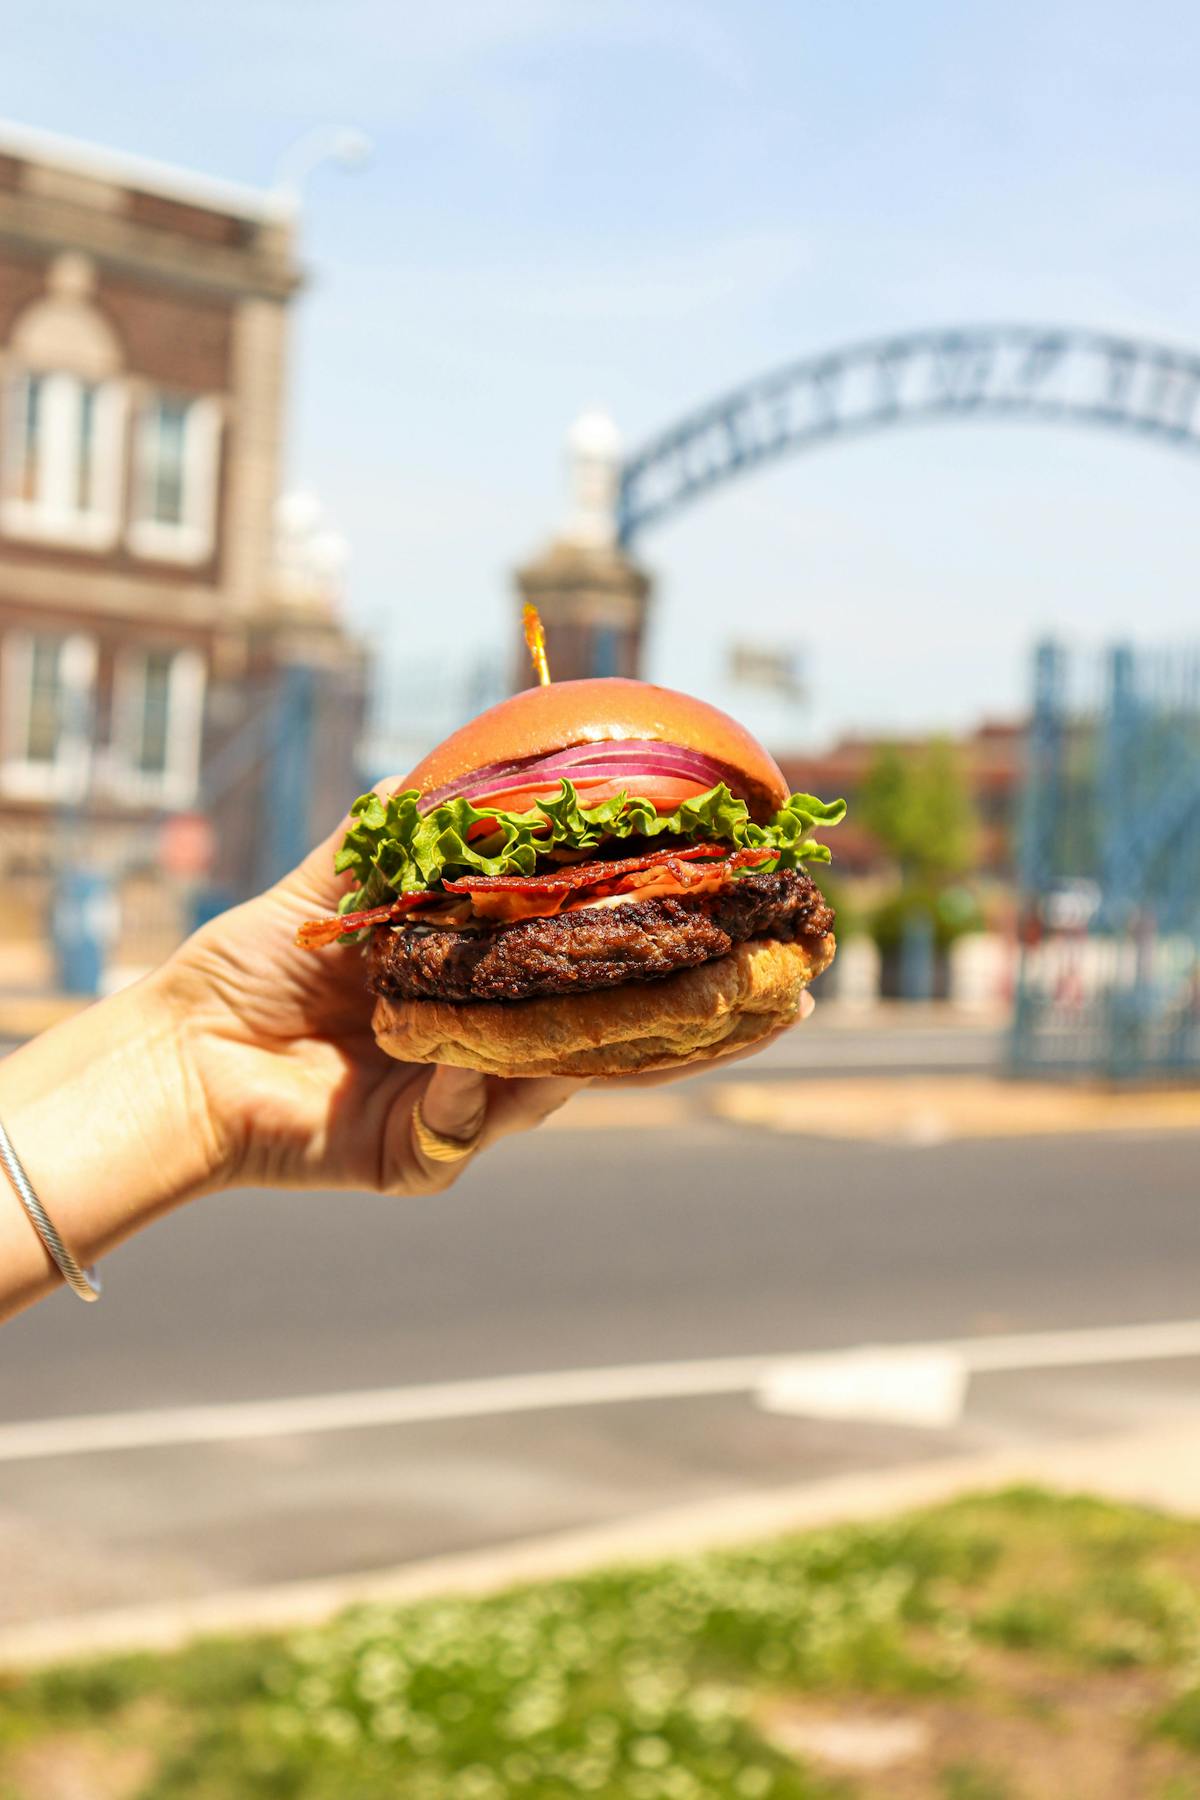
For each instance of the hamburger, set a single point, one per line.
(591, 878)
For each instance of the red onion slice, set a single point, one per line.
(634, 752)
(452, 789)
(626, 758)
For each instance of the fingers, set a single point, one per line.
(453, 1107)
(469, 1109)
(521, 1105)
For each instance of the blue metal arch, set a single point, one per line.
(1059, 374)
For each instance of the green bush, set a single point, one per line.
(952, 911)
(919, 806)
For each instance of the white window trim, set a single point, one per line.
(66, 778)
(176, 785)
(54, 515)
(191, 540)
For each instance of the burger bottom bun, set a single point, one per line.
(721, 1005)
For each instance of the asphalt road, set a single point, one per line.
(572, 1250)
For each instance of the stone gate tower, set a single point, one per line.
(592, 597)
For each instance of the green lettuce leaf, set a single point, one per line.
(394, 848)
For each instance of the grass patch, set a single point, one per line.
(961, 1782)
(1020, 1632)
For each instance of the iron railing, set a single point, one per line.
(1109, 969)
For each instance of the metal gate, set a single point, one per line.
(1109, 969)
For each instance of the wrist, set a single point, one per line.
(106, 1115)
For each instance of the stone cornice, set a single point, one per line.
(33, 224)
(45, 586)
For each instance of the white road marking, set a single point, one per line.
(368, 1407)
(894, 1387)
(754, 1375)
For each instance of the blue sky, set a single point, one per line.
(634, 204)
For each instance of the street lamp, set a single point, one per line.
(344, 145)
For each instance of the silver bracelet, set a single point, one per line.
(84, 1282)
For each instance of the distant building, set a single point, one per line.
(594, 600)
(592, 597)
(993, 761)
(147, 622)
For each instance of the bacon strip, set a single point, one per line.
(578, 875)
(315, 934)
(508, 899)
(513, 897)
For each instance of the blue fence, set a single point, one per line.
(1109, 970)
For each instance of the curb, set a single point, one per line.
(1160, 1468)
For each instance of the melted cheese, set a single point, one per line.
(422, 922)
(606, 900)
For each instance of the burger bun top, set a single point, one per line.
(539, 721)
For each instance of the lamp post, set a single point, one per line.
(345, 145)
(298, 686)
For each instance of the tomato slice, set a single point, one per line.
(664, 792)
(522, 798)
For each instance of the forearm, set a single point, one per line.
(105, 1114)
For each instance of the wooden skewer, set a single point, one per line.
(535, 637)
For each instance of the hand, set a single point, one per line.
(296, 1088)
(242, 1059)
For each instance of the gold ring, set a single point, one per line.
(436, 1148)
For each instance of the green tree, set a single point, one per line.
(919, 807)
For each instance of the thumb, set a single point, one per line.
(454, 1102)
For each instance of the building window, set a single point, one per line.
(166, 426)
(44, 718)
(85, 449)
(153, 714)
(178, 444)
(64, 453)
(46, 724)
(27, 437)
(158, 705)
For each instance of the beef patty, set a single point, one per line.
(596, 947)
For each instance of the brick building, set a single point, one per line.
(993, 764)
(147, 627)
